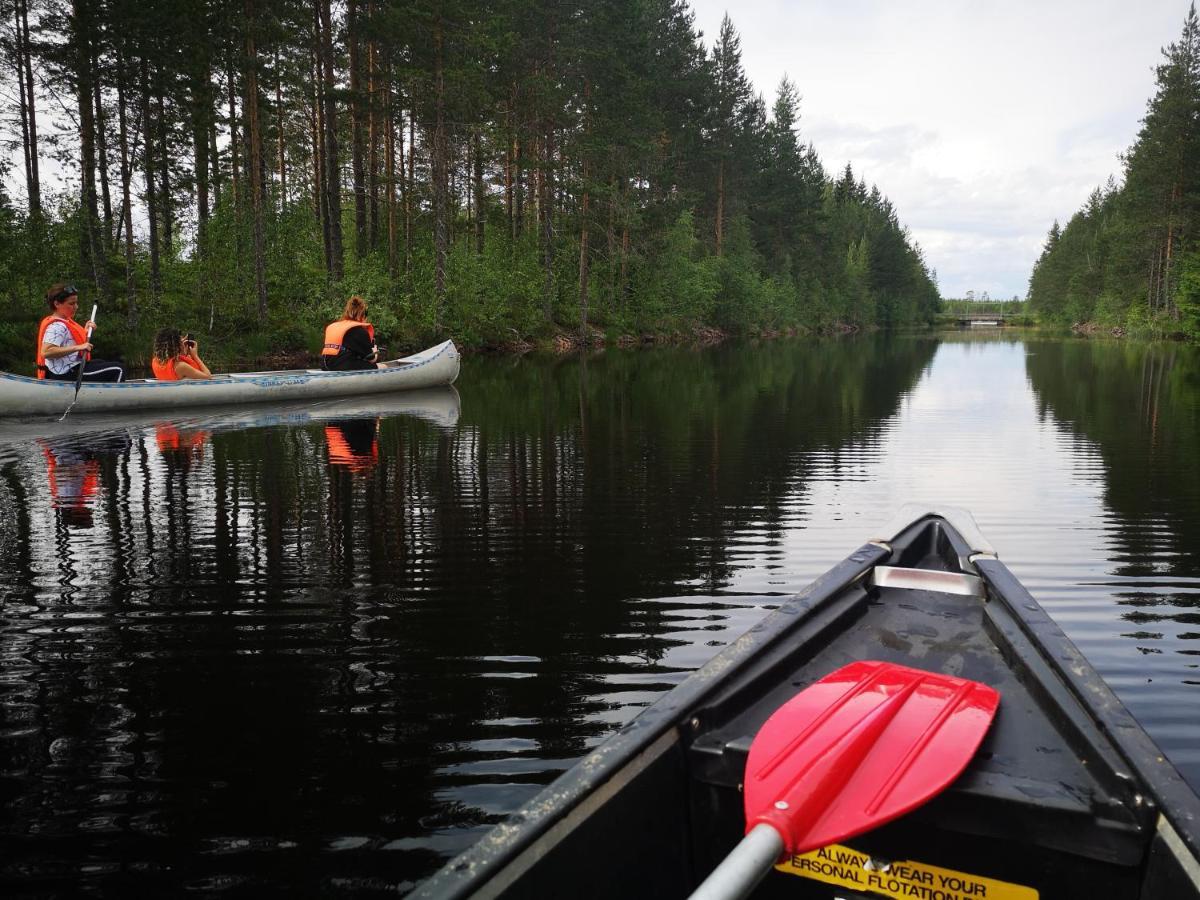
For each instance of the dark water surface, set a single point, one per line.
(318, 650)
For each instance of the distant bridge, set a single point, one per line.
(980, 318)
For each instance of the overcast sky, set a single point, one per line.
(983, 121)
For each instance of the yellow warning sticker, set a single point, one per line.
(902, 879)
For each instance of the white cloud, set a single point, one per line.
(982, 122)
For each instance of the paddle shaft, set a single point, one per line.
(82, 363)
(744, 868)
(83, 354)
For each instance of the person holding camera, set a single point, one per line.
(177, 357)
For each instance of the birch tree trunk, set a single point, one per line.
(280, 143)
(148, 164)
(164, 146)
(389, 151)
(411, 181)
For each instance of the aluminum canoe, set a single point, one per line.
(21, 396)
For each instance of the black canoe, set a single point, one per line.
(1067, 796)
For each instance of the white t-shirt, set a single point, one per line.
(58, 334)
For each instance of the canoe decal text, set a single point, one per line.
(903, 879)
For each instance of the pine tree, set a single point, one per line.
(730, 108)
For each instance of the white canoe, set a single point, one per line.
(21, 396)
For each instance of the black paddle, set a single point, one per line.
(82, 362)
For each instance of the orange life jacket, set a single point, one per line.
(342, 454)
(78, 334)
(335, 333)
(165, 371)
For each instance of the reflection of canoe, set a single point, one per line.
(21, 396)
(439, 406)
(1066, 797)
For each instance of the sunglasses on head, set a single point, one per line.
(69, 291)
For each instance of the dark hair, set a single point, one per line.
(167, 344)
(58, 292)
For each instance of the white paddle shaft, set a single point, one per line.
(744, 868)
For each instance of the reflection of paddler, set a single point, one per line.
(179, 447)
(74, 479)
(353, 443)
(168, 437)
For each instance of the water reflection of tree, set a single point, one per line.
(1139, 404)
(319, 652)
(580, 490)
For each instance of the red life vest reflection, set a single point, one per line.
(179, 447)
(353, 444)
(74, 478)
(168, 437)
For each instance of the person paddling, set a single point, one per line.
(350, 341)
(63, 345)
(177, 357)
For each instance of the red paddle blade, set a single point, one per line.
(860, 747)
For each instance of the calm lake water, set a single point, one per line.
(321, 649)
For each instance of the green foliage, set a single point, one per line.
(1124, 258)
(678, 283)
(1188, 298)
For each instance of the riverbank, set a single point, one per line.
(253, 352)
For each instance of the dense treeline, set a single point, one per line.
(488, 169)
(1131, 256)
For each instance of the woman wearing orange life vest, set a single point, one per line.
(176, 358)
(63, 345)
(350, 341)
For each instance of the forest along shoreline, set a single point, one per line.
(622, 175)
(496, 191)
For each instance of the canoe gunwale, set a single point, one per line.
(1170, 794)
(1138, 789)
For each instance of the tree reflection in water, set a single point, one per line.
(292, 673)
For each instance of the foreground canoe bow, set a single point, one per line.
(21, 396)
(1067, 796)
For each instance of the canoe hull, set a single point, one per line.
(27, 397)
(1067, 796)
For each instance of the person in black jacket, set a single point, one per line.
(350, 341)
